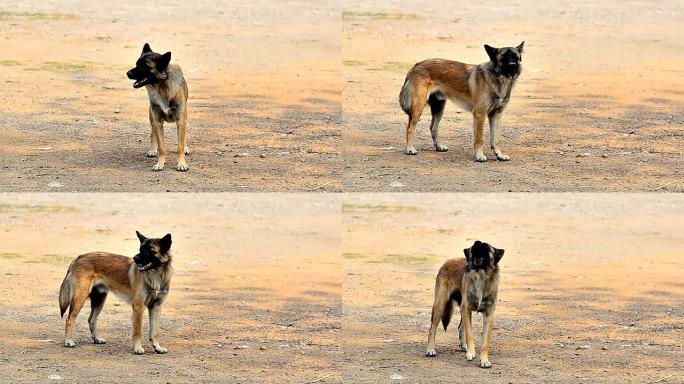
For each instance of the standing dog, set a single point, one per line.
(143, 281)
(168, 95)
(481, 89)
(473, 284)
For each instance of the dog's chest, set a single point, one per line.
(480, 297)
(480, 303)
(160, 103)
(156, 296)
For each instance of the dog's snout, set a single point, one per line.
(130, 74)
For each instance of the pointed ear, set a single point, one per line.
(467, 254)
(498, 254)
(140, 237)
(165, 243)
(163, 61)
(520, 47)
(491, 52)
(146, 48)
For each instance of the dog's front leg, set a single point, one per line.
(466, 317)
(181, 127)
(138, 311)
(155, 311)
(153, 144)
(487, 324)
(495, 135)
(478, 134)
(158, 133)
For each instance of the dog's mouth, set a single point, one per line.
(143, 268)
(140, 83)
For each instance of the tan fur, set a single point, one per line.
(478, 290)
(90, 272)
(168, 102)
(475, 88)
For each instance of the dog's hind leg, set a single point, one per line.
(441, 301)
(461, 336)
(495, 135)
(98, 295)
(437, 102)
(80, 294)
(154, 312)
(419, 101)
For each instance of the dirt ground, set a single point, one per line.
(590, 292)
(599, 98)
(256, 295)
(264, 107)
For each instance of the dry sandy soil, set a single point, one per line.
(265, 95)
(591, 288)
(256, 296)
(600, 97)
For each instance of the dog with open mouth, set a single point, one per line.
(143, 281)
(168, 94)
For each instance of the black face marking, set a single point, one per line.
(482, 256)
(509, 62)
(506, 60)
(479, 255)
(153, 253)
(150, 68)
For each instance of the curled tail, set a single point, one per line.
(405, 97)
(65, 293)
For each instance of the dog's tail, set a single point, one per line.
(65, 293)
(405, 97)
(446, 315)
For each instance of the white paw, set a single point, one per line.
(138, 350)
(182, 167)
(187, 150)
(151, 154)
(441, 148)
(69, 343)
(470, 355)
(480, 157)
(502, 157)
(158, 167)
(411, 151)
(485, 364)
(430, 352)
(97, 340)
(159, 349)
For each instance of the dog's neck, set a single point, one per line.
(158, 280)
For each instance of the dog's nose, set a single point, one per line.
(130, 74)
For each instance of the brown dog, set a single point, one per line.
(168, 94)
(143, 281)
(472, 283)
(483, 89)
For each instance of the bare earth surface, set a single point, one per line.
(591, 288)
(256, 295)
(264, 110)
(598, 107)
